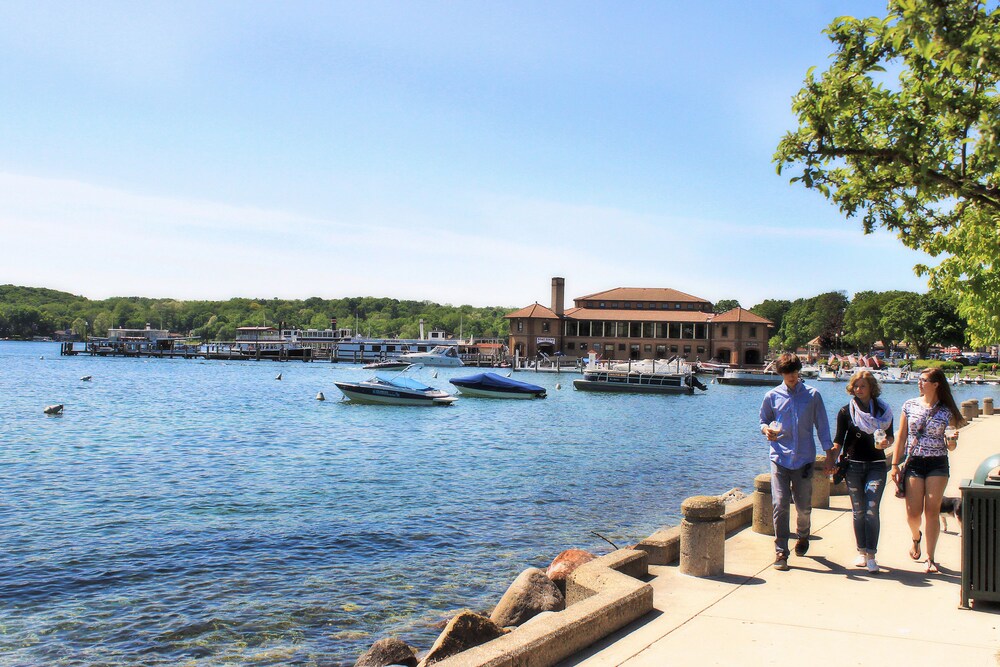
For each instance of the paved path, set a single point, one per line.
(823, 611)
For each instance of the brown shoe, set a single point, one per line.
(781, 561)
(801, 546)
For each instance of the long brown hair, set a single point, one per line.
(944, 396)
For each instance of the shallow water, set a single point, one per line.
(205, 513)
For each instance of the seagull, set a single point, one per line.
(86, 378)
(54, 409)
(278, 376)
(320, 397)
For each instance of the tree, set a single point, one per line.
(863, 321)
(924, 320)
(772, 309)
(915, 154)
(723, 305)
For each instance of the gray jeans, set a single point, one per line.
(789, 486)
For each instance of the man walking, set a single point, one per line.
(789, 414)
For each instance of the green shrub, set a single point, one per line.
(946, 366)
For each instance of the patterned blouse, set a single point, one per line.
(925, 428)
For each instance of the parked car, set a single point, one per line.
(962, 360)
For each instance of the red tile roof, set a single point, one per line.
(741, 315)
(641, 294)
(534, 310)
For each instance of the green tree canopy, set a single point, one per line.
(822, 316)
(723, 305)
(903, 129)
(924, 320)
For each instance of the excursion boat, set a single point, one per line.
(491, 385)
(638, 382)
(710, 368)
(440, 355)
(746, 377)
(394, 391)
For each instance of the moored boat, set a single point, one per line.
(638, 382)
(491, 385)
(394, 391)
(748, 377)
(440, 355)
(388, 365)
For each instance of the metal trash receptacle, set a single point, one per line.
(981, 533)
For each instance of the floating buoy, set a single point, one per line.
(278, 376)
(509, 373)
(43, 358)
(86, 378)
(558, 386)
(434, 374)
(320, 397)
(54, 409)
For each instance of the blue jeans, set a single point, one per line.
(787, 486)
(865, 484)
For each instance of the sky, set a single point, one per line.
(458, 152)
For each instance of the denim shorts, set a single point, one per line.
(927, 466)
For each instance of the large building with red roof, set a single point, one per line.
(638, 323)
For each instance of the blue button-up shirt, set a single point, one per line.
(799, 411)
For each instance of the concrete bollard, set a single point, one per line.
(976, 412)
(988, 406)
(703, 536)
(821, 485)
(967, 410)
(763, 505)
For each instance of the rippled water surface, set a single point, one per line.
(205, 513)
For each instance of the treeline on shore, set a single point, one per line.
(840, 323)
(26, 312)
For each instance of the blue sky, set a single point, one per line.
(461, 152)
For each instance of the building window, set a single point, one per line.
(647, 348)
(675, 330)
(638, 306)
(635, 330)
(602, 304)
(614, 304)
(673, 349)
(661, 351)
(609, 346)
(648, 329)
(597, 346)
(677, 306)
(753, 332)
(621, 347)
(687, 349)
(687, 330)
(583, 347)
(570, 346)
(625, 305)
(545, 327)
(701, 331)
(520, 325)
(725, 331)
(701, 349)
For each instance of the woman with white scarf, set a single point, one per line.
(864, 431)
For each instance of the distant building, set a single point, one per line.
(638, 323)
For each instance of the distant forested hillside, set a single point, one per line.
(36, 311)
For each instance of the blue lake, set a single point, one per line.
(206, 513)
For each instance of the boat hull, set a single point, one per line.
(622, 387)
(388, 396)
(636, 383)
(499, 393)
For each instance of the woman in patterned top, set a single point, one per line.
(922, 438)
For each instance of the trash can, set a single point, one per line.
(981, 533)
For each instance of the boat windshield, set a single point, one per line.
(403, 383)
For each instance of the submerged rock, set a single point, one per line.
(564, 564)
(530, 594)
(54, 409)
(465, 631)
(389, 651)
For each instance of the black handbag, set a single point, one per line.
(841, 472)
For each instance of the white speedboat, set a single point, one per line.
(394, 391)
(440, 355)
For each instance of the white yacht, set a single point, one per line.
(439, 355)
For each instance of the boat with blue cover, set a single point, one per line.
(394, 391)
(491, 385)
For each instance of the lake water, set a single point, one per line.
(204, 513)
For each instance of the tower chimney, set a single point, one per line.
(558, 295)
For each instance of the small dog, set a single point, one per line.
(950, 507)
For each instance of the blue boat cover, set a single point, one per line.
(405, 383)
(494, 381)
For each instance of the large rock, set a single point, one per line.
(530, 594)
(465, 631)
(564, 564)
(389, 651)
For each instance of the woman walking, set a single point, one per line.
(864, 431)
(922, 429)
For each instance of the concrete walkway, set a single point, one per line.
(823, 611)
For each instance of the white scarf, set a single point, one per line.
(867, 421)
